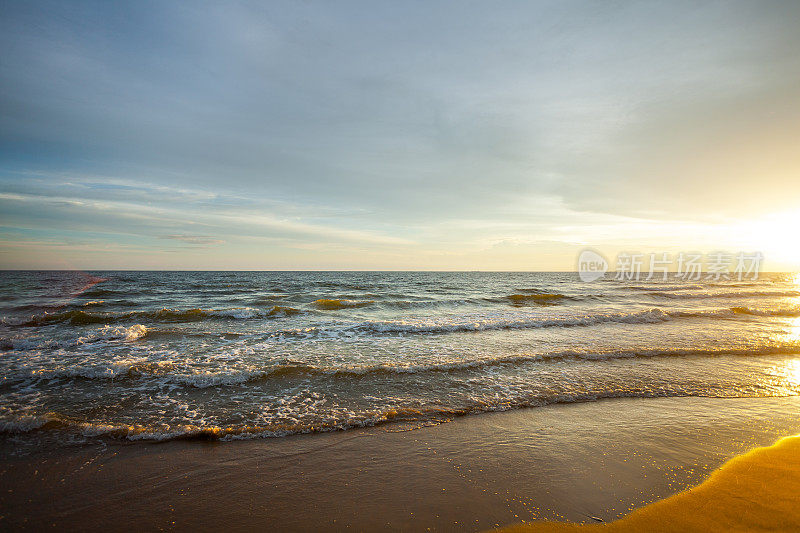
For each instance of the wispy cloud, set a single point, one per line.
(149, 218)
(200, 240)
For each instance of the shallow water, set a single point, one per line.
(160, 355)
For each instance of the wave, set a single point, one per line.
(302, 370)
(670, 288)
(110, 333)
(539, 298)
(54, 422)
(724, 294)
(168, 371)
(531, 291)
(789, 312)
(439, 303)
(113, 371)
(335, 304)
(163, 432)
(283, 311)
(470, 324)
(82, 318)
(478, 301)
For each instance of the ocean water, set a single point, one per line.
(234, 355)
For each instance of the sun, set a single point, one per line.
(775, 235)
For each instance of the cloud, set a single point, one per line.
(400, 125)
(200, 240)
(137, 216)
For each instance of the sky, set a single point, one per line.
(371, 135)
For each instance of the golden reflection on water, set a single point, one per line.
(790, 371)
(783, 378)
(793, 374)
(792, 332)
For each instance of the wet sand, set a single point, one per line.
(561, 462)
(755, 491)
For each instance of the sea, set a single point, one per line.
(153, 356)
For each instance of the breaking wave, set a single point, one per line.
(54, 422)
(723, 294)
(469, 324)
(335, 304)
(110, 333)
(79, 317)
(170, 371)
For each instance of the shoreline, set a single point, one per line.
(559, 462)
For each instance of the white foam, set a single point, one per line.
(112, 333)
(479, 323)
(240, 313)
(22, 424)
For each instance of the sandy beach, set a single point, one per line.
(576, 462)
(755, 491)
